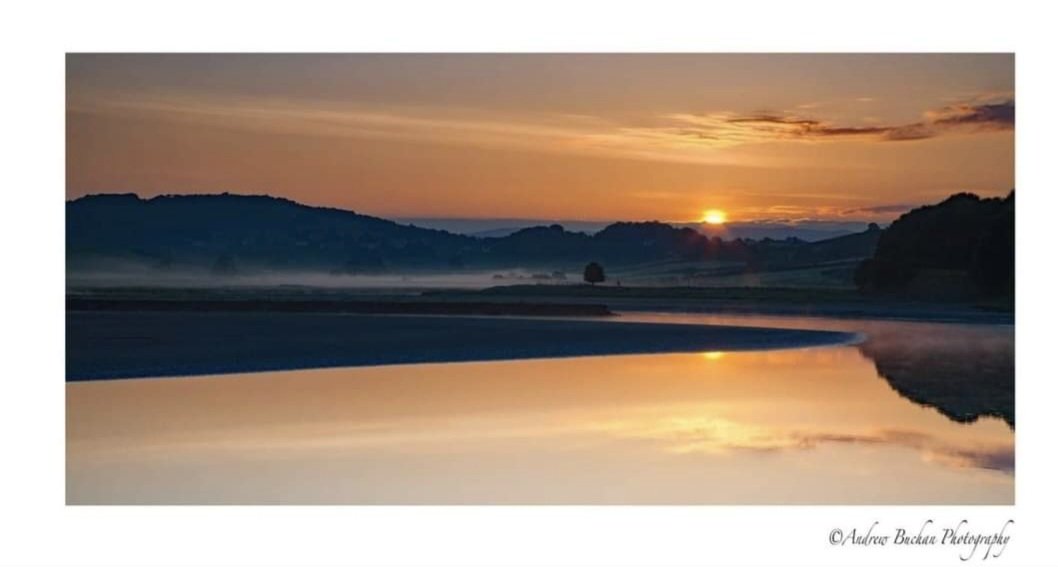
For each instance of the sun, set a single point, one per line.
(714, 216)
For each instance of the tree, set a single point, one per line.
(593, 273)
(964, 244)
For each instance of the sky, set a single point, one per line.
(594, 137)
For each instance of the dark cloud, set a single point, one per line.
(908, 132)
(993, 116)
(999, 115)
(806, 127)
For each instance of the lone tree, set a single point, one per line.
(593, 273)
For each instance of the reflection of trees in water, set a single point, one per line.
(963, 372)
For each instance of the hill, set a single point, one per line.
(963, 247)
(230, 234)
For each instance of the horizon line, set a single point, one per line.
(543, 220)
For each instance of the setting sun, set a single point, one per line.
(714, 216)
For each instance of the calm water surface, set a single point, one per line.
(918, 414)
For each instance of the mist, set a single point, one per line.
(132, 276)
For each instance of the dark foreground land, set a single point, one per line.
(540, 300)
(335, 306)
(838, 303)
(128, 344)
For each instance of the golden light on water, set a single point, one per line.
(714, 216)
(681, 422)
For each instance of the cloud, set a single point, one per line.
(999, 115)
(803, 127)
(967, 117)
(721, 130)
(880, 209)
(793, 213)
(674, 137)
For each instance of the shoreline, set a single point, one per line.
(115, 345)
(119, 333)
(833, 303)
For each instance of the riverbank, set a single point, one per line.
(125, 344)
(539, 300)
(835, 303)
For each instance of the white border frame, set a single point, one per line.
(37, 528)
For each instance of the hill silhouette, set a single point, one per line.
(230, 234)
(962, 247)
(240, 232)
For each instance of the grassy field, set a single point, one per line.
(541, 299)
(768, 300)
(832, 275)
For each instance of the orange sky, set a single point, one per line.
(593, 137)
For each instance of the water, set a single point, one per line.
(918, 414)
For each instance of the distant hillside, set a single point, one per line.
(962, 247)
(236, 234)
(791, 253)
(227, 233)
(807, 230)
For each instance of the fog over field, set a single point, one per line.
(396, 280)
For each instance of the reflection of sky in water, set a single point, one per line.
(686, 434)
(810, 426)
